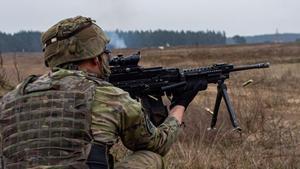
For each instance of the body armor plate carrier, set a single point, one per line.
(46, 122)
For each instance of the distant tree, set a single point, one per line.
(239, 39)
(23, 41)
(139, 39)
(297, 40)
(29, 41)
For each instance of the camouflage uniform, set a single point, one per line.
(56, 120)
(114, 114)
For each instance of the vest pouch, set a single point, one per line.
(98, 157)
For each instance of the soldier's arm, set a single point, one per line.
(138, 133)
(115, 113)
(177, 112)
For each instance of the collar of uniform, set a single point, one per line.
(58, 73)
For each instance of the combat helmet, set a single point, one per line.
(72, 40)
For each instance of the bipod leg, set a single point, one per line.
(216, 108)
(229, 106)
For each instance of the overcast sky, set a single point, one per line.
(243, 17)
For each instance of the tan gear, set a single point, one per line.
(114, 115)
(49, 128)
(72, 40)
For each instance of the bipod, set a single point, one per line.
(222, 93)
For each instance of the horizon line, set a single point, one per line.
(247, 35)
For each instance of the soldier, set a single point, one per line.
(70, 117)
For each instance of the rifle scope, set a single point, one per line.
(128, 61)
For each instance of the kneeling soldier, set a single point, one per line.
(70, 117)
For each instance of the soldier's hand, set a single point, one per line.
(183, 96)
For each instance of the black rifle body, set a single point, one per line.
(158, 81)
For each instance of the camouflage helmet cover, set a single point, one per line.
(73, 39)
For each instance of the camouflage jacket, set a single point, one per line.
(115, 115)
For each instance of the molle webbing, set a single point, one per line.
(48, 128)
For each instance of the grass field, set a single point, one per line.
(268, 109)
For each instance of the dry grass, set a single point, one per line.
(4, 84)
(268, 109)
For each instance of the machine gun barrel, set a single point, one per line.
(156, 82)
(253, 66)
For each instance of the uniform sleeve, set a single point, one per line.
(115, 113)
(106, 114)
(138, 133)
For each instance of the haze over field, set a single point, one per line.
(243, 17)
(267, 109)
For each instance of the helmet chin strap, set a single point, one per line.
(103, 65)
(100, 74)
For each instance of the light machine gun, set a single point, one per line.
(150, 84)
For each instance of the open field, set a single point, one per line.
(268, 109)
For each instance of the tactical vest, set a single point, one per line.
(46, 122)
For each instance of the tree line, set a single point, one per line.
(139, 39)
(29, 41)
